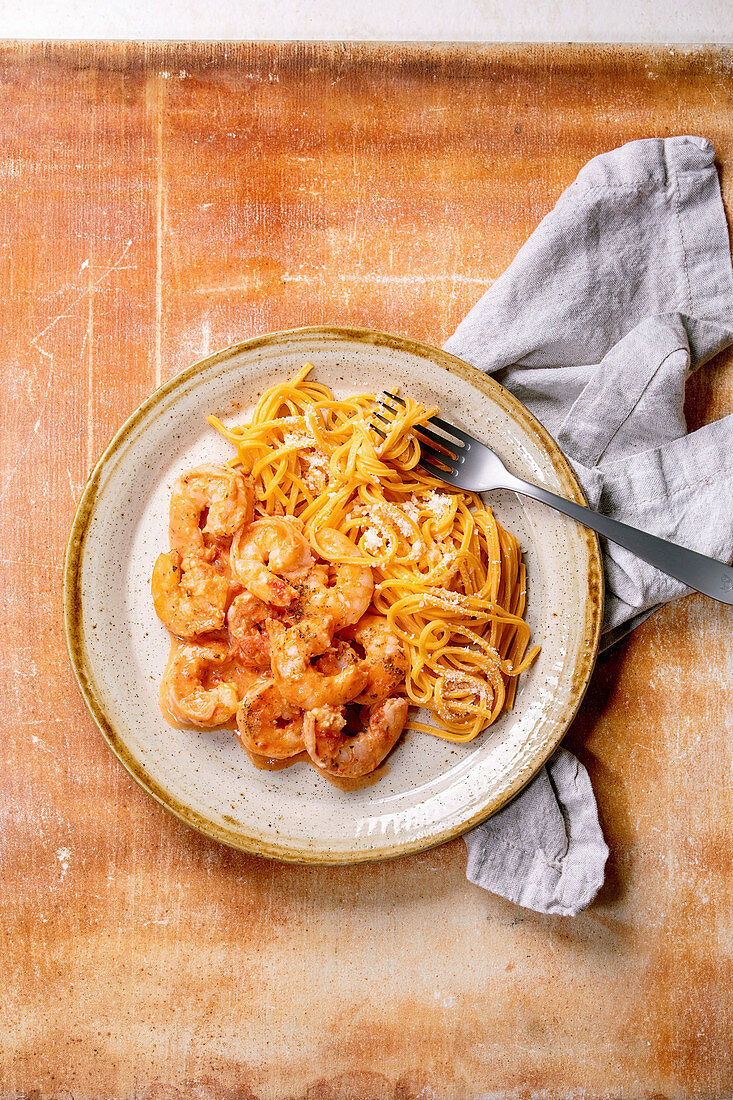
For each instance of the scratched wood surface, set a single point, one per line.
(159, 203)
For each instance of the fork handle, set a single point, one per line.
(707, 575)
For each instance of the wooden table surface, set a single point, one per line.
(162, 202)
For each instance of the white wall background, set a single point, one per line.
(699, 21)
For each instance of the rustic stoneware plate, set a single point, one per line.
(429, 790)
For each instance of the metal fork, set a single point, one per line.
(459, 459)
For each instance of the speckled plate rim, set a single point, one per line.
(72, 599)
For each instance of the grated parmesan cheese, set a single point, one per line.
(373, 541)
(297, 439)
(443, 597)
(315, 462)
(458, 681)
(315, 474)
(438, 504)
(395, 513)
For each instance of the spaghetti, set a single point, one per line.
(448, 577)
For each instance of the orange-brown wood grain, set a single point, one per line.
(159, 202)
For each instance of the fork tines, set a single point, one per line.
(388, 408)
(441, 457)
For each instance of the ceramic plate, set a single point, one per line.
(429, 790)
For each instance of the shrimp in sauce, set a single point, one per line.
(248, 638)
(281, 603)
(339, 753)
(189, 594)
(384, 654)
(267, 724)
(348, 597)
(267, 555)
(197, 686)
(208, 504)
(301, 682)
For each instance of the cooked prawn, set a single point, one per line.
(267, 724)
(248, 639)
(189, 594)
(300, 682)
(339, 656)
(384, 654)
(208, 503)
(339, 753)
(348, 597)
(196, 687)
(266, 552)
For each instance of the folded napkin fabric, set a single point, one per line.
(621, 291)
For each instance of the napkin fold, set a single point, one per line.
(621, 291)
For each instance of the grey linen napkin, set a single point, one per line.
(622, 291)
